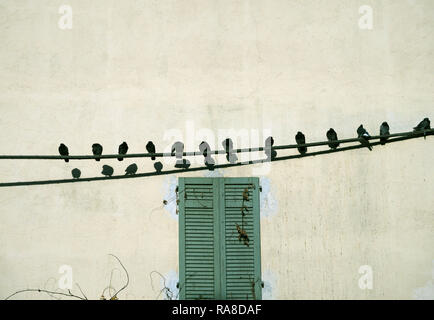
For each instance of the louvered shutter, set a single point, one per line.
(213, 262)
(199, 257)
(242, 263)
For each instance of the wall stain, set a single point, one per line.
(214, 174)
(270, 283)
(169, 186)
(172, 279)
(427, 291)
(269, 204)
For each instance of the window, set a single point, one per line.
(219, 246)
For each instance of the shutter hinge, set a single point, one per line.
(260, 188)
(177, 285)
(177, 199)
(262, 284)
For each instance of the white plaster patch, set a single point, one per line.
(169, 186)
(214, 174)
(172, 279)
(269, 203)
(270, 283)
(426, 292)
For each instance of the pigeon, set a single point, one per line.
(131, 169)
(183, 164)
(229, 146)
(123, 149)
(362, 134)
(269, 151)
(63, 150)
(150, 147)
(332, 136)
(97, 150)
(384, 131)
(209, 163)
(158, 166)
(205, 149)
(178, 150)
(300, 139)
(76, 173)
(422, 126)
(107, 170)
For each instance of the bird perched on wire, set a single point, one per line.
(63, 151)
(229, 149)
(97, 150)
(123, 149)
(210, 163)
(184, 165)
(178, 149)
(205, 149)
(332, 136)
(178, 152)
(131, 169)
(150, 147)
(158, 166)
(269, 151)
(422, 126)
(107, 170)
(384, 131)
(363, 136)
(76, 173)
(300, 139)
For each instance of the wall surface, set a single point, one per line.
(178, 70)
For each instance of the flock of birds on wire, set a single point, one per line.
(231, 157)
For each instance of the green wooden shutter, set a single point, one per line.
(199, 260)
(242, 263)
(213, 262)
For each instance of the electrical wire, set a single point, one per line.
(397, 137)
(198, 153)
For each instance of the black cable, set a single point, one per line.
(220, 166)
(198, 153)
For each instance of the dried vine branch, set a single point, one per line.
(166, 289)
(114, 297)
(83, 297)
(69, 294)
(242, 233)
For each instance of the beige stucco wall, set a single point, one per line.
(133, 70)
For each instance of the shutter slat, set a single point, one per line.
(241, 260)
(214, 263)
(197, 226)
